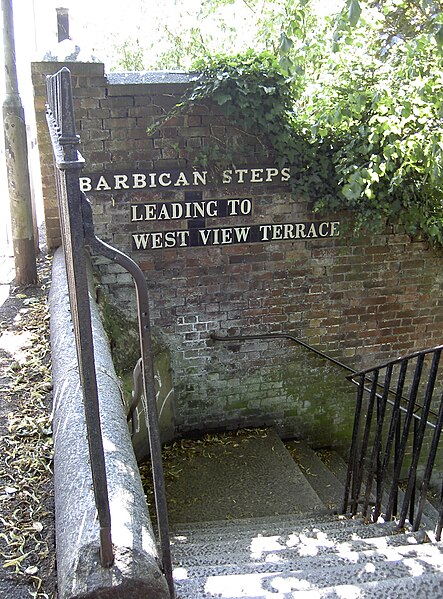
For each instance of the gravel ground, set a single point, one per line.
(27, 547)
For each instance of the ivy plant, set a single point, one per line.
(351, 100)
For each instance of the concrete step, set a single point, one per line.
(244, 476)
(427, 585)
(327, 486)
(284, 548)
(392, 568)
(294, 547)
(339, 528)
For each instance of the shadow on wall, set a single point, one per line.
(125, 348)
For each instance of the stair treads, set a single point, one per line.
(250, 476)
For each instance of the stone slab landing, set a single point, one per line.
(246, 475)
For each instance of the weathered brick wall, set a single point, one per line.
(361, 300)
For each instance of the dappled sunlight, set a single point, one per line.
(180, 574)
(348, 591)
(121, 505)
(260, 545)
(312, 565)
(273, 586)
(309, 546)
(415, 568)
(16, 343)
(346, 552)
(108, 445)
(240, 585)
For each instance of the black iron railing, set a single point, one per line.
(395, 440)
(68, 164)
(397, 428)
(77, 234)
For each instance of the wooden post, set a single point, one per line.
(16, 151)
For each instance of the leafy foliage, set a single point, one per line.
(352, 98)
(252, 89)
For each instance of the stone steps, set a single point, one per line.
(300, 549)
(293, 543)
(337, 529)
(306, 556)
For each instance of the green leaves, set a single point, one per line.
(354, 12)
(353, 99)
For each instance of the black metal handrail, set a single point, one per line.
(148, 393)
(68, 164)
(77, 234)
(289, 336)
(391, 429)
(318, 352)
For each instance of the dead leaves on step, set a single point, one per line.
(180, 452)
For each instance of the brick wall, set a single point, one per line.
(362, 300)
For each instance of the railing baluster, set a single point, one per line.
(429, 466)
(405, 434)
(439, 526)
(393, 432)
(419, 433)
(365, 441)
(353, 461)
(375, 463)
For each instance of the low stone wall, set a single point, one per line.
(136, 571)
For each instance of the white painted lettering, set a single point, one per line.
(246, 206)
(233, 206)
(241, 234)
(199, 209)
(183, 237)
(141, 240)
(102, 184)
(85, 184)
(212, 208)
(121, 182)
(264, 231)
(256, 175)
(163, 214)
(215, 236)
(271, 173)
(181, 180)
(176, 210)
(226, 235)
(241, 172)
(288, 231)
(285, 174)
(150, 211)
(300, 230)
(200, 178)
(138, 181)
(227, 177)
(312, 231)
(152, 182)
(204, 235)
(277, 231)
(323, 229)
(335, 229)
(164, 179)
(156, 240)
(135, 216)
(170, 239)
